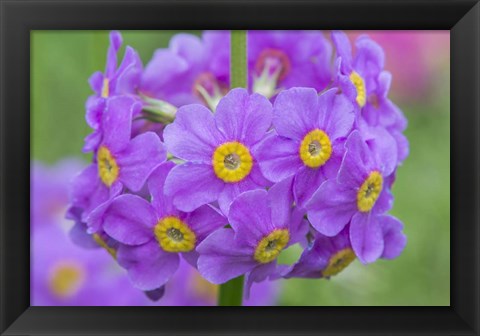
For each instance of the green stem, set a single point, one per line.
(231, 293)
(238, 62)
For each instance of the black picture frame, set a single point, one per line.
(18, 17)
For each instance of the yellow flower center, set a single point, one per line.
(232, 162)
(105, 88)
(359, 84)
(369, 191)
(270, 246)
(66, 279)
(107, 166)
(315, 148)
(174, 235)
(338, 262)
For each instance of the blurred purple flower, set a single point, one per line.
(284, 59)
(49, 189)
(190, 70)
(417, 60)
(63, 274)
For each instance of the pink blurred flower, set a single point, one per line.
(418, 60)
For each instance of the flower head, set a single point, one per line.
(218, 150)
(364, 81)
(120, 160)
(152, 235)
(360, 191)
(309, 139)
(121, 80)
(262, 226)
(328, 256)
(356, 76)
(324, 257)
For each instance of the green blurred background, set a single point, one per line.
(62, 61)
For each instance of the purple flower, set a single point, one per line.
(383, 113)
(218, 149)
(324, 257)
(356, 76)
(190, 70)
(262, 226)
(285, 59)
(120, 80)
(327, 256)
(153, 234)
(309, 140)
(363, 80)
(360, 191)
(120, 161)
(123, 80)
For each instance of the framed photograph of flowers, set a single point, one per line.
(299, 160)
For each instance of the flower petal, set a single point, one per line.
(250, 217)
(138, 160)
(344, 50)
(385, 200)
(296, 112)
(115, 44)
(204, 220)
(130, 219)
(258, 274)
(222, 259)
(367, 237)
(280, 200)
(191, 185)
(232, 190)
(369, 59)
(394, 239)
(117, 122)
(193, 135)
(243, 117)
(384, 147)
(148, 266)
(128, 75)
(88, 191)
(156, 186)
(278, 157)
(331, 208)
(337, 113)
(306, 182)
(357, 163)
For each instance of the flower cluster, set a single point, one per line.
(185, 167)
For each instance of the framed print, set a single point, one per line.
(216, 167)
